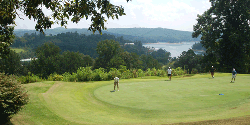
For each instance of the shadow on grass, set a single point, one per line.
(112, 91)
(7, 123)
(245, 120)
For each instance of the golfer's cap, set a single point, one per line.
(212, 66)
(169, 67)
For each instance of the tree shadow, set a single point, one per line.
(7, 123)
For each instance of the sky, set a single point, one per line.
(170, 14)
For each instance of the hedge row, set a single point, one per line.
(87, 74)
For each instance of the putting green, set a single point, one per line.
(181, 95)
(139, 101)
(183, 99)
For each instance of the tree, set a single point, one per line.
(71, 61)
(47, 63)
(149, 62)
(225, 31)
(198, 46)
(6, 39)
(131, 60)
(188, 59)
(12, 97)
(161, 55)
(10, 64)
(108, 51)
(61, 12)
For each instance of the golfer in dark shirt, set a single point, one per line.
(212, 71)
(234, 73)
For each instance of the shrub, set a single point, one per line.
(102, 75)
(194, 71)
(94, 76)
(122, 69)
(83, 74)
(29, 78)
(178, 71)
(114, 73)
(55, 77)
(140, 73)
(161, 72)
(148, 72)
(67, 77)
(127, 75)
(134, 73)
(153, 72)
(12, 97)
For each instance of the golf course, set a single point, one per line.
(197, 99)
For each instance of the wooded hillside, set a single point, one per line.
(145, 35)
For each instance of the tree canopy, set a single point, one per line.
(225, 33)
(188, 60)
(62, 11)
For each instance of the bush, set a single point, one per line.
(122, 69)
(12, 97)
(194, 71)
(55, 77)
(30, 78)
(127, 75)
(114, 73)
(153, 72)
(83, 74)
(178, 71)
(134, 73)
(67, 77)
(140, 73)
(161, 72)
(102, 75)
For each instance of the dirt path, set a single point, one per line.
(52, 88)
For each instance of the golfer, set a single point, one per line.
(212, 71)
(234, 73)
(169, 73)
(116, 82)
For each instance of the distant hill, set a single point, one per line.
(55, 31)
(145, 35)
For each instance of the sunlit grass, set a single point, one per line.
(18, 50)
(146, 100)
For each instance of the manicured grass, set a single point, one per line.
(149, 100)
(18, 50)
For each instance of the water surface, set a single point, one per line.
(174, 48)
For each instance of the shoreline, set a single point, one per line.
(177, 43)
(162, 43)
(196, 50)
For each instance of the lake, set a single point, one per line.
(174, 48)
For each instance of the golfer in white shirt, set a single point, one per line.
(169, 73)
(116, 82)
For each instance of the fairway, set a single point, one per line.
(150, 100)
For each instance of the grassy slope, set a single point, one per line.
(18, 50)
(139, 101)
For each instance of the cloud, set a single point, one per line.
(172, 14)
